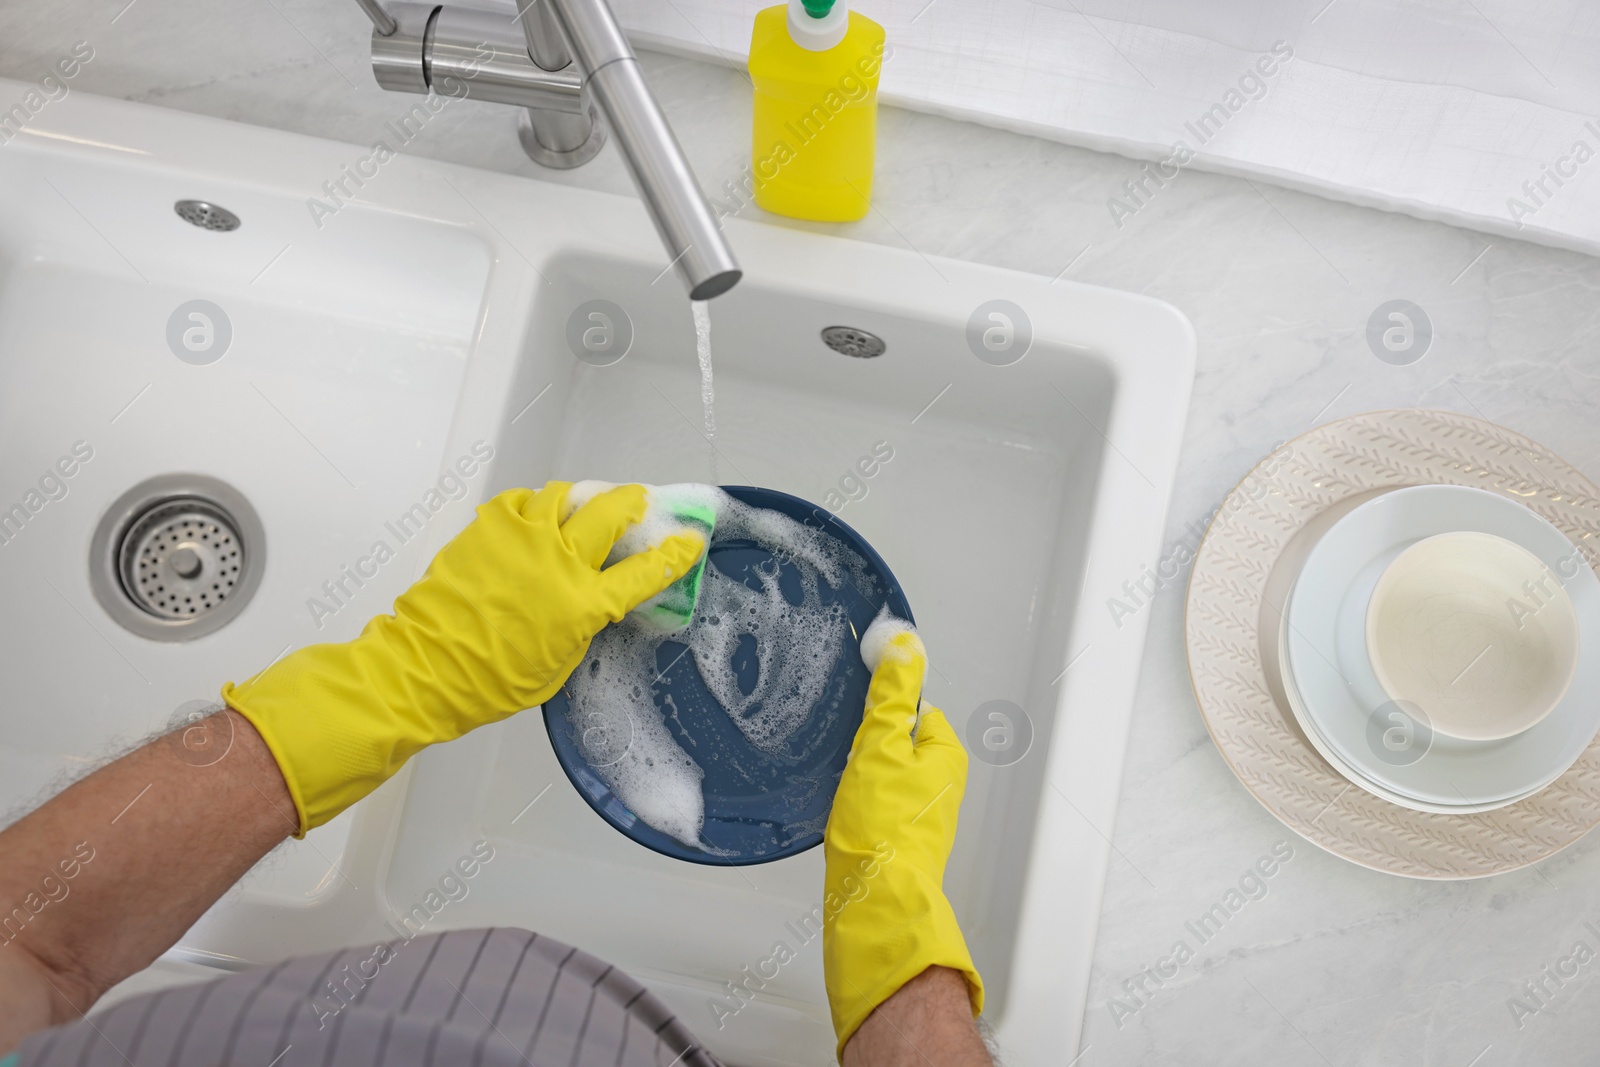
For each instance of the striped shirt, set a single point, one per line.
(487, 998)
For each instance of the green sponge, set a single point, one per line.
(669, 509)
(672, 609)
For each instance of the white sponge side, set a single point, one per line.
(669, 509)
(581, 493)
(664, 505)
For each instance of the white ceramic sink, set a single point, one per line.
(372, 353)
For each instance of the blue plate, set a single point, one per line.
(759, 806)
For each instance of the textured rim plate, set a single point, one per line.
(1297, 707)
(1234, 608)
(1326, 642)
(757, 808)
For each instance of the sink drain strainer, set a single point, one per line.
(181, 559)
(176, 557)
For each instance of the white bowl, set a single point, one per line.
(1476, 631)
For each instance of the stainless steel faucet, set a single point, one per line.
(568, 61)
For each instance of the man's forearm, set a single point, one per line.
(928, 1021)
(103, 878)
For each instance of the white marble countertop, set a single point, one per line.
(1334, 964)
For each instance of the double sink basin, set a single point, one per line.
(390, 364)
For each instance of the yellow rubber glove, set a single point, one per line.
(504, 614)
(885, 916)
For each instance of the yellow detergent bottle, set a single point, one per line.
(815, 66)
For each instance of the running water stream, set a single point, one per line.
(708, 399)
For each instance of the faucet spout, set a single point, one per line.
(570, 60)
(611, 75)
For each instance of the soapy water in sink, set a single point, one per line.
(783, 615)
(708, 396)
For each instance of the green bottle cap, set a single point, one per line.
(818, 9)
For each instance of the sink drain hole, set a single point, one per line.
(850, 341)
(206, 216)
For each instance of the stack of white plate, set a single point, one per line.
(1384, 740)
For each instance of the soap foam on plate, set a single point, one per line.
(879, 638)
(624, 738)
(620, 730)
(796, 648)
